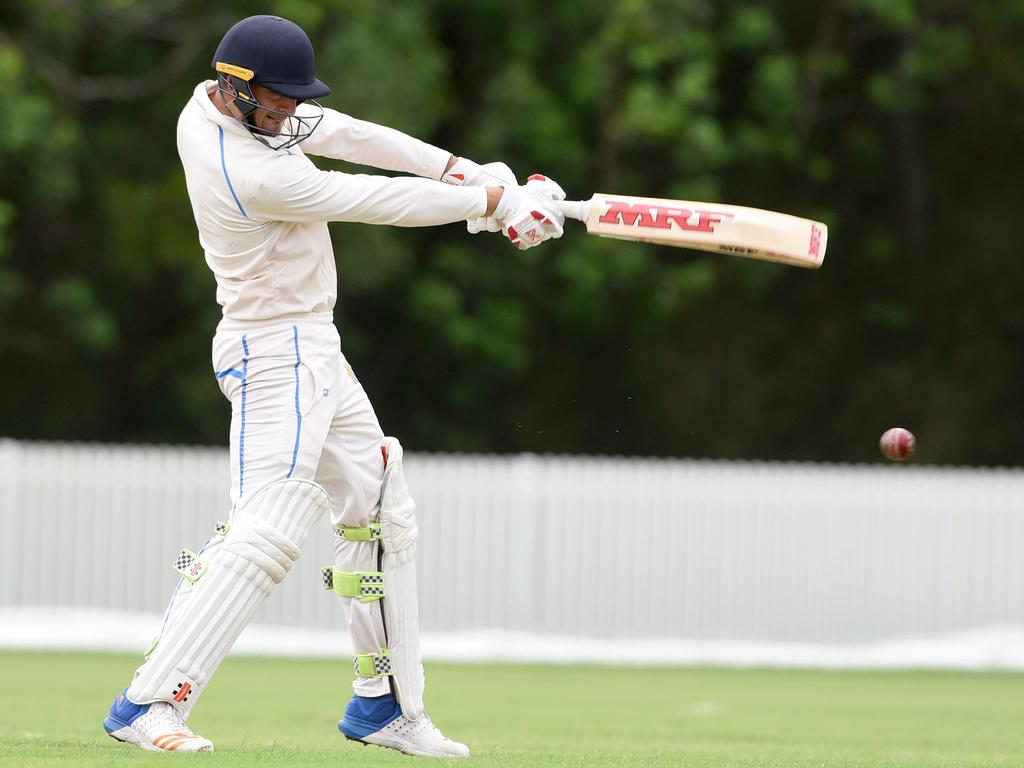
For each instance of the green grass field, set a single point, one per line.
(274, 712)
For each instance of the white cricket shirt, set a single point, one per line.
(262, 213)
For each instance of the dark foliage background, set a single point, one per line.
(898, 122)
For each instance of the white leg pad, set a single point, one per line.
(400, 605)
(266, 534)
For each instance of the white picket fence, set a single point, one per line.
(591, 547)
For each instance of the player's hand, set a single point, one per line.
(467, 173)
(538, 182)
(528, 217)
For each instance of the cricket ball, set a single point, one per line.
(897, 444)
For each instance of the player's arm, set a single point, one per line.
(297, 191)
(303, 193)
(343, 137)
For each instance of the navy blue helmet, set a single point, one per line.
(277, 54)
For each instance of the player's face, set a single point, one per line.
(264, 118)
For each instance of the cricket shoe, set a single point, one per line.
(379, 720)
(156, 727)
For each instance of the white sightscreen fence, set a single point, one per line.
(575, 546)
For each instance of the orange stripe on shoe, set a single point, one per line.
(161, 741)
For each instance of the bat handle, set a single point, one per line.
(575, 209)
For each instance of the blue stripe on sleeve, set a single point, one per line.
(224, 167)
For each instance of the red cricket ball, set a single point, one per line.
(897, 444)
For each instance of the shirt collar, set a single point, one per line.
(201, 95)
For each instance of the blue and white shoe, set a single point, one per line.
(155, 727)
(379, 720)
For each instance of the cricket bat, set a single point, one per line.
(728, 229)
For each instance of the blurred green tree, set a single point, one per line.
(898, 123)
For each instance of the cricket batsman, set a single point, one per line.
(304, 438)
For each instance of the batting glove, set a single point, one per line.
(467, 173)
(528, 218)
(538, 182)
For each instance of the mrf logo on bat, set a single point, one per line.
(646, 216)
(814, 249)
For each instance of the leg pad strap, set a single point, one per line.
(365, 586)
(369, 532)
(373, 664)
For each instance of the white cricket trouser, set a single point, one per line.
(298, 411)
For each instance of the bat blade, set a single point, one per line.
(730, 229)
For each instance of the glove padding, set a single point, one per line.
(529, 215)
(491, 175)
(538, 182)
(467, 173)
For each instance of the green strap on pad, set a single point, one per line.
(373, 664)
(152, 647)
(352, 533)
(365, 586)
(190, 566)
